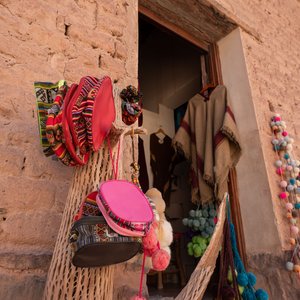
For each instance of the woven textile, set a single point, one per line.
(209, 139)
(45, 93)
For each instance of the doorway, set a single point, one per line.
(171, 71)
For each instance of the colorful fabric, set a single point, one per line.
(45, 93)
(209, 139)
(54, 131)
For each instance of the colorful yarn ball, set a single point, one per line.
(242, 279)
(261, 294)
(289, 147)
(277, 118)
(293, 181)
(290, 188)
(160, 260)
(276, 147)
(294, 230)
(297, 268)
(286, 156)
(248, 294)
(185, 221)
(251, 278)
(278, 163)
(289, 168)
(150, 240)
(278, 123)
(283, 195)
(192, 213)
(296, 170)
(279, 171)
(289, 206)
(287, 139)
(284, 144)
(284, 133)
(297, 205)
(283, 184)
(289, 266)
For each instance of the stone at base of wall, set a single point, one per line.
(19, 286)
(273, 277)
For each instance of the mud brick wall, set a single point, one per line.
(273, 62)
(47, 41)
(52, 40)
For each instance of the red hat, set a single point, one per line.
(90, 113)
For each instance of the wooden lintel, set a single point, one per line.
(174, 28)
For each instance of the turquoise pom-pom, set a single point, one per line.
(276, 147)
(297, 205)
(286, 156)
(242, 279)
(261, 294)
(248, 294)
(251, 279)
(292, 181)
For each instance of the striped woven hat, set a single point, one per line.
(90, 113)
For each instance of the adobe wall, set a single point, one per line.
(272, 58)
(47, 41)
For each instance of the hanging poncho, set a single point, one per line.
(209, 139)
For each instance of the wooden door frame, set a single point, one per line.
(215, 78)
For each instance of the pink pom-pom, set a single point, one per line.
(150, 240)
(294, 230)
(283, 195)
(279, 171)
(137, 297)
(284, 133)
(160, 260)
(283, 184)
(277, 119)
(289, 206)
(289, 168)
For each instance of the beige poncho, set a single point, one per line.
(209, 138)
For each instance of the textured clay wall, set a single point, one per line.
(272, 56)
(273, 62)
(47, 41)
